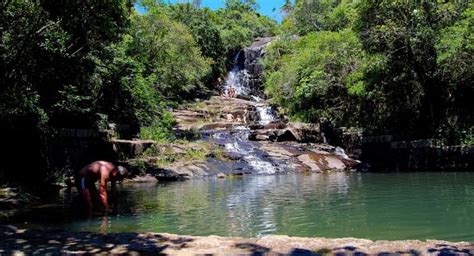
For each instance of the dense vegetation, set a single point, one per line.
(101, 65)
(387, 67)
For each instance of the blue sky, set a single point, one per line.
(266, 6)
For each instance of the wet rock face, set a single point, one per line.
(250, 61)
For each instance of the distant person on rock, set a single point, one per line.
(231, 92)
(246, 116)
(230, 117)
(103, 172)
(220, 86)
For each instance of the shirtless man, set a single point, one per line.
(103, 172)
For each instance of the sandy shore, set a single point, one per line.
(17, 242)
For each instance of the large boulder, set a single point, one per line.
(306, 132)
(131, 148)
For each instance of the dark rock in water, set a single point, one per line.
(8, 229)
(9, 203)
(244, 97)
(261, 137)
(10, 199)
(285, 135)
(256, 126)
(276, 125)
(143, 179)
(234, 156)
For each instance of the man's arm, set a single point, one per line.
(103, 190)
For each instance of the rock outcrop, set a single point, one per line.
(300, 132)
(131, 148)
(250, 61)
(389, 153)
(256, 140)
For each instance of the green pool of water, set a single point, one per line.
(389, 206)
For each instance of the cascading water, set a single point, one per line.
(236, 79)
(237, 142)
(325, 140)
(265, 114)
(341, 152)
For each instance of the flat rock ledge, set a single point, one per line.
(14, 241)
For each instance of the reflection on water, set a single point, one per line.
(363, 205)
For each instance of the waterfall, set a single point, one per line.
(265, 114)
(325, 140)
(236, 142)
(340, 151)
(236, 79)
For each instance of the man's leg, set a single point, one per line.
(86, 195)
(94, 195)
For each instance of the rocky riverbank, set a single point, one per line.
(12, 199)
(224, 136)
(14, 241)
(236, 133)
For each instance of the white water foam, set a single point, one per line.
(240, 145)
(256, 98)
(234, 79)
(265, 115)
(259, 165)
(340, 151)
(325, 140)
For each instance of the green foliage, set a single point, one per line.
(203, 25)
(320, 76)
(241, 5)
(182, 151)
(240, 24)
(456, 47)
(220, 34)
(410, 88)
(390, 67)
(311, 16)
(468, 137)
(169, 54)
(160, 129)
(455, 51)
(50, 61)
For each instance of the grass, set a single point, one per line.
(160, 129)
(164, 154)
